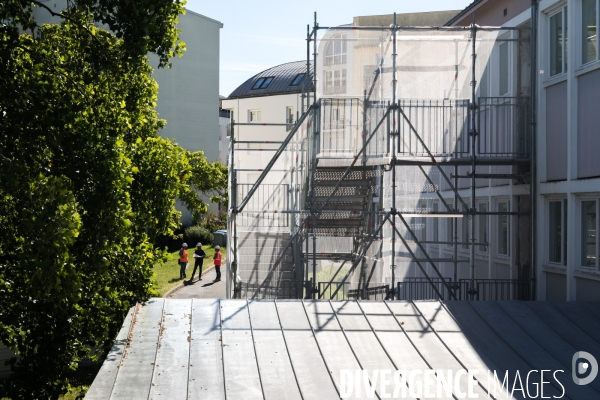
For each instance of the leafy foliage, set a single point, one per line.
(87, 185)
(195, 234)
(213, 221)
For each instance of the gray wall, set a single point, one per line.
(588, 125)
(556, 132)
(556, 287)
(188, 93)
(588, 290)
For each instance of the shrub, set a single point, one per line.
(195, 234)
(213, 222)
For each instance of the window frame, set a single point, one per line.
(289, 121)
(564, 231)
(449, 225)
(583, 35)
(563, 10)
(596, 267)
(481, 218)
(332, 77)
(499, 225)
(299, 81)
(465, 221)
(262, 82)
(331, 57)
(435, 224)
(504, 74)
(258, 114)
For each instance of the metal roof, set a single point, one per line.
(463, 12)
(283, 75)
(293, 349)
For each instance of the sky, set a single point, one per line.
(261, 34)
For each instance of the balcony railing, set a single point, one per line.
(478, 290)
(439, 128)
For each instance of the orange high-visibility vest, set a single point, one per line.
(183, 255)
(218, 257)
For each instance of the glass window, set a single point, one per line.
(266, 83)
(588, 234)
(254, 115)
(503, 229)
(449, 229)
(289, 118)
(483, 228)
(558, 42)
(465, 222)
(504, 70)
(335, 81)
(336, 50)
(555, 232)
(423, 221)
(589, 26)
(258, 83)
(483, 84)
(436, 224)
(297, 80)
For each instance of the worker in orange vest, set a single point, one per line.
(218, 257)
(183, 260)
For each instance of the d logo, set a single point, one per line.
(589, 366)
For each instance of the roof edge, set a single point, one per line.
(188, 11)
(463, 12)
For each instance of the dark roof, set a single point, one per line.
(463, 12)
(283, 75)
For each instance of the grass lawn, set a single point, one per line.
(166, 274)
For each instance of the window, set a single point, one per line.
(558, 42)
(483, 83)
(289, 118)
(436, 224)
(449, 230)
(254, 116)
(503, 229)
(465, 223)
(504, 71)
(335, 54)
(589, 244)
(482, 235)
(422, 224)
(262, 83)
(589, 26)
(297, 80)
(335, 81)
(557, 232)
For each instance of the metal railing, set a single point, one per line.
(347, 123)
(280, 289)
(503, 126)
(327, 290)
(442, 126)
(380, 292)
(422, 289)
(478, 290)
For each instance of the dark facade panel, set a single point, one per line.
(556, 287)
(588, 125)
(556, 132)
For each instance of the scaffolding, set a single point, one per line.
(405, 131)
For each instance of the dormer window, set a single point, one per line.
(297, 80)
(262, 83)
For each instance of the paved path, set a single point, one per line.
(204, 289)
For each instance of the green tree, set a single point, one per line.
(86, 183)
